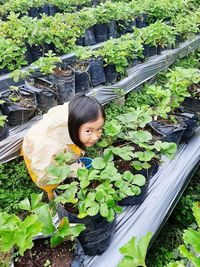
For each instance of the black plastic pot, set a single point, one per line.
(82, 77)
(159, 49)
(16, 114)
(38, 51)
(141, 21)
(98, 234)
(64, 79)
(44, 9)
(146, 51)
(4, 71)
(191, 105)
(171, 132)
(101, 32)
(28, 55)
(77, 254)
(46, 93)
(52, 10)
(191, 122)
(80, 41)
(4, 130)
(111, 74)
(152, 51)
(126, 26)
(89, 37)
(96, 71)
(112, 30)
(34, 12)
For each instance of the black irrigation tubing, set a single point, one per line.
(10, 147)
(165, 189)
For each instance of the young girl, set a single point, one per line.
(73, 127)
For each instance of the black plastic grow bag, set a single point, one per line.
(46, 96)
(4, 131)
(101, 32)
(65, 84)
(82, 76)
(96, 71)
(89, 37)
(110, 74)
(191, 104)
(170, 132)
(16, 114)
(98, 234)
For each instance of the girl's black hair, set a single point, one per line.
(82, 109)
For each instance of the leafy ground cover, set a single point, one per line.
(165, 247)
(15, 185)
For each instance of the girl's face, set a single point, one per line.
(90, 132)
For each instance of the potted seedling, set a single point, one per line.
(36, 240)
(19, 105)
(96, 70)
(91, 198)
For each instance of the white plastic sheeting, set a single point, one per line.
(164, 191)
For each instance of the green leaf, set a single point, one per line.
(136, 251)
(36, 200)
(192, 237)
(45, 217)
(139, 180)
(103, 210)
(98, 163)
(196, 212)
(108, 155)
(99, 196)
(25, 204)
(111, 215)
(92, 211)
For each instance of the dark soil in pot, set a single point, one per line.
(82, 77)
(46, 93)
(19, 106)
(67, 254)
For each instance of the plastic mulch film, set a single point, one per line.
(165, 189)
(9, 148)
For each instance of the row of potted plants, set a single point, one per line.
(61, 36)
(154, 38)
(36, 8)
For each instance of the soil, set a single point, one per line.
(194, 90)
(81, 66)
(60, 256)
(155, 136)
(42, 85)
(123, 166)
(62, 73)
(23, 102)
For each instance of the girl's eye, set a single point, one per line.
(88, 131)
